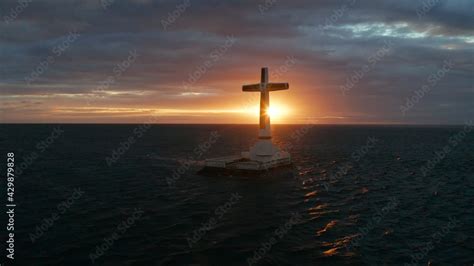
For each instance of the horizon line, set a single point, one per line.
(243, 124)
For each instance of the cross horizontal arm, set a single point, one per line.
(269, 87)
(252, 87)
(277, 86)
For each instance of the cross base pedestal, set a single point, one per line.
(261, 157)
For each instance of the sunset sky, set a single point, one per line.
(347, 62)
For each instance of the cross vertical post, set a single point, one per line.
(264, 87)
(265, 130)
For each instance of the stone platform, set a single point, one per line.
(244, 162)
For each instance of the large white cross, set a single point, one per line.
(265, 88)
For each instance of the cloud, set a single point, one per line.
(330, 39)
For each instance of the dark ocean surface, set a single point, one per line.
(355, 195)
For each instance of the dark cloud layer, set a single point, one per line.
(333, 41)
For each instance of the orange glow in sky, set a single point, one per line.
(278, 112)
